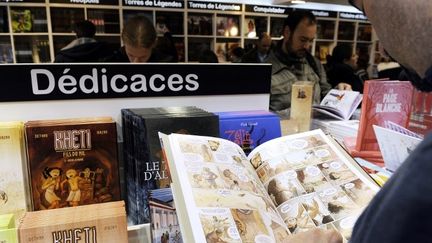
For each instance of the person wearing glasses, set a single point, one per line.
(291, 61)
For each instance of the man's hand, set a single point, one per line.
(316, 236)
(344, 86)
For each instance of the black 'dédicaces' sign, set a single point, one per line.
(27, 82)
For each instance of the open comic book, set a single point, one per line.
(338, 104)
(285, 186)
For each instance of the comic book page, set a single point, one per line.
(217, 193)
(312, 182)
(338, 104)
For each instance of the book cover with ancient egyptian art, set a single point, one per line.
(13, 192)
(72, 164)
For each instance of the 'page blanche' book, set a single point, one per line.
(395, 143)
(383, 101)
(285, 186)
(72, 162)
(338, 104)
(14, 196)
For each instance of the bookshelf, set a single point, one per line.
(35, 30)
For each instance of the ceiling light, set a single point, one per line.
(298, 1)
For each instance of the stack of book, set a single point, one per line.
(72, 162)
(14, 196)
(105, 222)
(339, 130)
(145, 166)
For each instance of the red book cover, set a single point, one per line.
(382, 101)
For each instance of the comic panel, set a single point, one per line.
(235, 178)
(316, 209)
(312, 179)
(204, 176)
(337, 172)
(337, 202)
(295, 216)
(359, 192)
(284, 187)
(251, 226)
(228, 199)
(219, 225)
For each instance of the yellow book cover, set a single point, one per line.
(13, 193)
(8, 232)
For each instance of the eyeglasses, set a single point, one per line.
(358, 4)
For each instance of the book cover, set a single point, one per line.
(382, 101)
(72, 163)
(104, 222)
(249, 28)
(249, 129)
(14, 196)
(338, 104)
(147, 170)
(395, 146)
(285, 186)
(21, 20)
(301, 105)
(8, 231)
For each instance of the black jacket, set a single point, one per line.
(402, 211)
(88, 52)
(341, 72)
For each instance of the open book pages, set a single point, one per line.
(395, 143)
(338, 104)
(285, 186)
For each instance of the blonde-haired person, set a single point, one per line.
(139, 41)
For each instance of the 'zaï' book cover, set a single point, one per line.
(382, 101)
(72, 162)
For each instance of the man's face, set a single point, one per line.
(299, 42)
(264, 45)
(138, 54)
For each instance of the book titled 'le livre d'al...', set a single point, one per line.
(383, 101)
(72, 162)
(13, 180)
(284, 186)
(147, 175)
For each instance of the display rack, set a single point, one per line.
(33, 31)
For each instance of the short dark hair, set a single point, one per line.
(208, 56)
(85, 28)
(294, 18)
(341, 53)
(139, 32)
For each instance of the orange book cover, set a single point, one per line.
(383, 101)
(73, 163)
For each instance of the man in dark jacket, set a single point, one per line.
(84, 48)
(261, 52)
